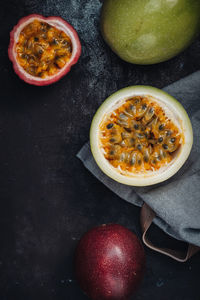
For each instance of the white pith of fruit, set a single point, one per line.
(172, 108)
(55, 23)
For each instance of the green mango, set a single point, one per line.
(149, 31)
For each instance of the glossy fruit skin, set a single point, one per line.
(149, 31)
(55, 21)
(109, 262)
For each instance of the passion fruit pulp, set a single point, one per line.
(140, 136)
(43, 49)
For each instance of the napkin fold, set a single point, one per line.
(176, 201)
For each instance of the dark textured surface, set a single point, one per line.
(48, 199)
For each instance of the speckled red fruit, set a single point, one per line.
(109, 262)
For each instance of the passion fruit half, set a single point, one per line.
(141, 136)
(43, 50)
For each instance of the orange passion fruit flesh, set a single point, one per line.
(42, 50)
(138, 136)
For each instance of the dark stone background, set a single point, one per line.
(48, 199)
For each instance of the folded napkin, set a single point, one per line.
(176, 201)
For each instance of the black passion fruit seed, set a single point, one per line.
(110, 125)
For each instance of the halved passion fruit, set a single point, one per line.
(43, 49)
(141, 136)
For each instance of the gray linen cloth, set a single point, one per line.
(176, 201)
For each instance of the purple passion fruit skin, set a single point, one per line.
(109, 262)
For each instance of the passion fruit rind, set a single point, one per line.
(60, 25)
(179, 118)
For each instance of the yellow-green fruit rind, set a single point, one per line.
(149, 31)
(141, 179)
